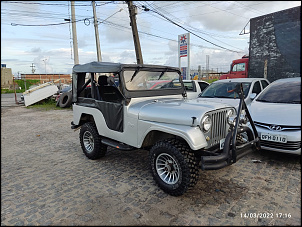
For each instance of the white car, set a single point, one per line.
(276, 113)
(194, 87)
(222, 90)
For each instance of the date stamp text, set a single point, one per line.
(265, 215)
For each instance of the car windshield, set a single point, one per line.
(224, 90)
(282, 92)
(150, 80)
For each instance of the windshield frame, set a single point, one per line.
(153, 92)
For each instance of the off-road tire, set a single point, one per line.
(65, 100)
(182, 157)
(91, 143)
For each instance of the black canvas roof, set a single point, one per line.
(97, 67)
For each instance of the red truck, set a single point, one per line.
(239, 69)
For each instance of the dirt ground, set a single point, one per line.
(47, 180)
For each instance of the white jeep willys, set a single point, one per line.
(115, 105)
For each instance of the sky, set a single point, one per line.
(36, 35)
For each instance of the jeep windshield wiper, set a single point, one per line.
(162, 73)
(135, 73)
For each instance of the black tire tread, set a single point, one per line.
(187, 159)
(68, 102)
(100, 149)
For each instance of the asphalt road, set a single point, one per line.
(47, 180)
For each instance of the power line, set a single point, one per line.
(153, 35)
(52, 4)
(173, 22)
(200, 31)
(68, 21)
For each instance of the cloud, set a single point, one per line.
(35, 50)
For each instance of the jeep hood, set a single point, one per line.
(179, 111)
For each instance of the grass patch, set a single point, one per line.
(20, 83)
(46, 104)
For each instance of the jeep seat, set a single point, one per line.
(107, 92)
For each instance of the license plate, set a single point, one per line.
(221, 143)
(274, 138)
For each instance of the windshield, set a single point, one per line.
(282, 92)
(224, 90)
(148, 80)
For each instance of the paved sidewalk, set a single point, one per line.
(47, 180)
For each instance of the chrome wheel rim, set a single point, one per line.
(88, 141)
(167, 168)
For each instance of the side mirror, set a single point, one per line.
(252, 96)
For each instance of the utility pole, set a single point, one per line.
(132, 14)
(74, 35)
(96, 30)
(32, 68)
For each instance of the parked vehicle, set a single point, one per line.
(275, 44)
(182, 135)
(277, 116)
(193, 87)
(239, 69)
(223, 90)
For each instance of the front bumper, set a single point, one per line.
(292, 146)
(231, 154)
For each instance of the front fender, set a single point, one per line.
(192, 135)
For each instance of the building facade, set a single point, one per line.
(65, 78)
(6, 77)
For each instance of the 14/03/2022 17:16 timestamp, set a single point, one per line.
(265, 215)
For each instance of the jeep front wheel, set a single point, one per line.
(91, 142)
(174, 167)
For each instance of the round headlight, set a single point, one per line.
(231, 117)
(206, 123)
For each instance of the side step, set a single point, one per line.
(116, 144)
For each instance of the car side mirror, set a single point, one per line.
(252, 96)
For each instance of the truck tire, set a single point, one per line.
(174, 167)
(65, 100)
(91, 142)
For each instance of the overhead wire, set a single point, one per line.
(203, 32)
(177, 24)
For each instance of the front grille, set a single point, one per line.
(219, 127)
(282, 127)
(290, 145)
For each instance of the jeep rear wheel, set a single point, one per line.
(91, 142)
(174, 167)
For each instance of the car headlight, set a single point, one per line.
(206, 123)
(231, 117)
